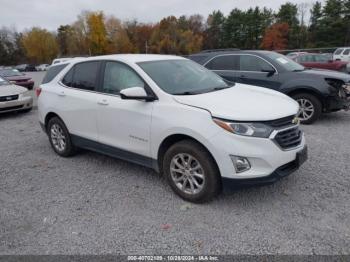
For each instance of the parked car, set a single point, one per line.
(173, 115)
(14, 98)
(294, 55)
(18, 78)
(342, 54)
(60, 60)
(316, 91)
(42, 67)
(322, 61)
(26, 68)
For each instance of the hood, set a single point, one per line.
(243, 103)
(9, 90)
(327, 74)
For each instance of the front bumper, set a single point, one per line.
(278, 174)
(22, 103)
(264, 155)
(339, 102)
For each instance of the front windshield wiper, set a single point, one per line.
(186, 93)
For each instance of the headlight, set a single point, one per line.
(25, 94)
(245, 129)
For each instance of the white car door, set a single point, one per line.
(79, 100)
(125, 125)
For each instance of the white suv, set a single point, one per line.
(173, 115)
(342, 54)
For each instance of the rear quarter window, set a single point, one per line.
(52, 72)
(338, 51)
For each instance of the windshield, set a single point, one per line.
(285, 62)
(3, 81)
(182, 77)
(10, 72)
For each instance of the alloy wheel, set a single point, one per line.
(306, 110)
(187, 173)
(58, 137)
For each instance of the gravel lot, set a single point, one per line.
(93, 204)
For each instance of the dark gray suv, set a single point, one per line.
(315, 90)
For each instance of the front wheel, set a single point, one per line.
(310, 108)
(191, 171)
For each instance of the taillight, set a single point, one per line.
(38, 91)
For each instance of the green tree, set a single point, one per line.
(213, 35)
(288, 13)
(316, 15)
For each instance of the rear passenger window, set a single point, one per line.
(83, 76)
(251, 63)
(346, 52)
(229, 62)
(52, 72)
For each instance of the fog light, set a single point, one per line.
(240, 163)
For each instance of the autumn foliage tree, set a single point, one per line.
(40, 45)
(96, 33)
(276, 37)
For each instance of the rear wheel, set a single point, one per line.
(310, 108)
(60, 138)
(191, 171)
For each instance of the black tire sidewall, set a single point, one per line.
(316, 104)
(211, 173)
(70, 149)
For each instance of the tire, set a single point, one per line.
(207, 168)
(56, 126)
(309, 101)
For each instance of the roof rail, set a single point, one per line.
(219, 50)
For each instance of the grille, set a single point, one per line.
(289, 138)
(8, 98)
(10, 108)
(282, 122)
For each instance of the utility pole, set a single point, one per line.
(146, 47)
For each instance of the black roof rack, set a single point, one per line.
(220, 50)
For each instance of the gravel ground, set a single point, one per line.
(93, 204)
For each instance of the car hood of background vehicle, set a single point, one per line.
(9, 90)
(243, 103)
(17, 78)
(327, 73)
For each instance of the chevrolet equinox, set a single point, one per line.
(173, 115)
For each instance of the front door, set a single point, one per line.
(124, 125)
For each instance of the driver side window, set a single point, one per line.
(118, 76)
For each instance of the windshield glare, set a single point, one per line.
(181, 77)
(10, 72)
(285, 62)
(3, 81)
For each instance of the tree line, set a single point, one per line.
(292, 26)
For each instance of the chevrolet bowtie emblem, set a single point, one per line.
(295, 121)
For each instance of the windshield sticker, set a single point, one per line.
(282, 60)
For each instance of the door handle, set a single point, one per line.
(103, 102)
(62, 93)
(242, 76)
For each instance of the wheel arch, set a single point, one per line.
(307, 90)
(173, 139)
(49, 116)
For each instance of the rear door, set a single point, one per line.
(346, 55)
(225, 65)
(78, 100)
(253, 71)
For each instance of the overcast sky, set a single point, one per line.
(52, 13)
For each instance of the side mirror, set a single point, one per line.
(136, 93)
(270, 72)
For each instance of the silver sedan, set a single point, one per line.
(14, 98)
